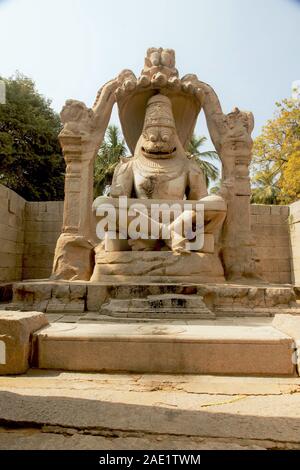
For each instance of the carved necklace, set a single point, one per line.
(168, 168)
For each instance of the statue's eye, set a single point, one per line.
(165, 138)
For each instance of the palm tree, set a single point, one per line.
(112, 148)
(210, 171)
(266, 190)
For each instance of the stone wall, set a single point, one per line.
(28, 234)
(12, 209)
(271, 234)
(43, 223)
(294, 221)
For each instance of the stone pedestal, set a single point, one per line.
(205, 267)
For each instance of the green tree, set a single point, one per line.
(266, 189)
(275, 167)
(210, 171)
(112, 148)
(31, 161)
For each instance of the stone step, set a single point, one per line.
(208, 347)
(159, 306)
(255, 312)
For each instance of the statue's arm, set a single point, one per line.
(122, 184)
(196, 182)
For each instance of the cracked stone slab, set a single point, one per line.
(157, 408)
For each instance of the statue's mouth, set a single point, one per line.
(158, 153)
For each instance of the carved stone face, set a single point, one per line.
(159, 139)
(158, 142)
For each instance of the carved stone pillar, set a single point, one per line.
(74, 251)
(80, 138)
(235, 151)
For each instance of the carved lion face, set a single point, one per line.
(158, 142)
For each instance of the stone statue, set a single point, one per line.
(160, 169)
(158, 112)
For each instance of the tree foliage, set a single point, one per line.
(210, 171)
(276, 161)
(110, 152)
(31, 161)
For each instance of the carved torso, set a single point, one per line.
(159, 179)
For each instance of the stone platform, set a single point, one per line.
(133, 299)
(244, 347)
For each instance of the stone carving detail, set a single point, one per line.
(77, 118)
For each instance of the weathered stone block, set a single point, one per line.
(285, 211)
(10, 260)
(8, 274)
(260, 209)
(96, 296)
(284, 265)
(3, 206)
(61, 291)
(16, 329)
(78, 291)
(285, 277)
(279, 296)
(13, 234)
(31, 293)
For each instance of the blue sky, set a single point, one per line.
(248, 50)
